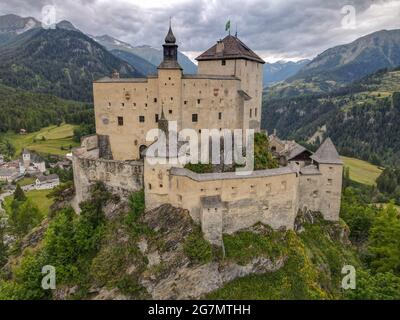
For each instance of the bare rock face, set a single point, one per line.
(194, 282)
(35, 236)
(304, 217)
(171, 275)
(112, 294)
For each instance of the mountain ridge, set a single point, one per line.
(60, 62)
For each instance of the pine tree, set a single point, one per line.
(19, 194)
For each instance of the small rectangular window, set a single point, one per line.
(141, 118)
(157, 117)
(255, 112)
(185, 102)
(155, 99)
(120, 121)
(198, 101)
(220, 115)
(170, 111)
(194, 117)
(223, 62)
(251, 113)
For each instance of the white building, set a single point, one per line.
(47, 182)
(32, 163)
(8, 174)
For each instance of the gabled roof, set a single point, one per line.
(327, 153)
(50, 177)
(233, 48)
(295, 151)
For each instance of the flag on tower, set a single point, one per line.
(228, 26)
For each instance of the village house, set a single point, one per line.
(31, 163)
(47, 182)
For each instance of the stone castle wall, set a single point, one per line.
(225, 203)
(121, 177)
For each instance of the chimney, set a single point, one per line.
(115, 74)
(220, 46)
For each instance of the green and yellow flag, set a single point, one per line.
(228, 26)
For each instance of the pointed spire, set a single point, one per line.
(170, 38)
(327, 153)
(162, 113)
(163, 122)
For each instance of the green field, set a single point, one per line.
(26, 181)
(54, 138)
(362, 171)
(38, 197)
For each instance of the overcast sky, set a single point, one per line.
(275, 29)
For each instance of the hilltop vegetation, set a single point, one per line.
(98, 256)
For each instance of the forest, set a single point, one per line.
(33, 111)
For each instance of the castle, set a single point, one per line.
(225, 94)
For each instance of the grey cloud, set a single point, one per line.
(293, 28)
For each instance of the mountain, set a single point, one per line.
(353, 61)
(338, 66)
(141, 65)
(60, 62)
(361, 118)
(281, 70)
(12, 25)
(152, 55)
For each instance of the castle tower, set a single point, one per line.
(170, 79)
(157, 167)
(331, 168)
(231, 57)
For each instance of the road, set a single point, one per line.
(3, 196)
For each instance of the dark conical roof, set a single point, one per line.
(233, 48)
(327, 153)
(170, 38)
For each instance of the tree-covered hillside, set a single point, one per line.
(361, 118)
(22, 109)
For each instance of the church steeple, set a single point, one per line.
(170, 60)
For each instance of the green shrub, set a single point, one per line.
(197, 249)
(242, 247)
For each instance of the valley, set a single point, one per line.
(53, 140)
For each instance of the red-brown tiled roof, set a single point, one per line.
(233, 49)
